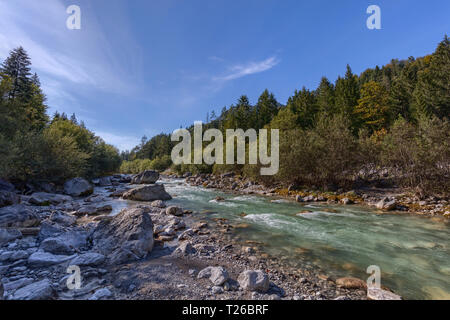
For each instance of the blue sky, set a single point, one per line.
(146, 66)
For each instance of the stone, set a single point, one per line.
(174, 211)
(42, 259)
(147, 193)
(78, 187)
(13, 256)
(8, 235)
(91, 259)
(2, 290)
(217, 290)
(8, 198)
(18, 216)
(351, 283)
(189, 233)
(374, 293)
(46, 199)
(62, 218)
(254, 280)
(217, 275)
(346, 201)
(17, 284)
(146, 177)
(56, 246)
(185, 248)
(101, 294)
(386, 204)
(104, 182)
(93, 210)
(299, 198)
(158, 204)
(41, 290)
(128, 235)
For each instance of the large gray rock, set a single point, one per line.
(127, 236)
(146, 177)
(8, 198)
(46, 199)
(18, 216)
(254, 280)
(17, 284)
(62, 218)
(56, 246)
(93, 209)
(42, 259)
(91, 259)
(217, 275)
(10, 234)
(78, 187)
(41, 290)
(101, 294)
(147, 193)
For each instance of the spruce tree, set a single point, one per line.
(17, 66)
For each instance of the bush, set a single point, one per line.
(420, 154)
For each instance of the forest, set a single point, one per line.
(387, 126)
(35, 147)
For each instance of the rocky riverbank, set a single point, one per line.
(147, 251)
(383, 199)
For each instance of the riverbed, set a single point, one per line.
(412, 252)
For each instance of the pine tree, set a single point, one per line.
(432, 93)
(265, 109)
(347, 95)
(17, 66)
(325, 97)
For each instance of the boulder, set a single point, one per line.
(62, 218)
(184, 249)
(375, 293)
(91, 259)
(386, 204)
(158, 204)
(217, 275)
(56, 246)
(147, 193)
(146, 177)
(93, 209)
(41, 290)
(18, 216)
(78, 187)
(104, 182)
(46, 199)
(17, 284)
(174, 211)
(9, 234)
(101, 294)
(127, 236)
(42, 259)
(254, 280)
(8, 198)
(351, 283)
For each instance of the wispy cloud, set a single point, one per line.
(239, 71)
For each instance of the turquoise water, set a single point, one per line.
(412, 252)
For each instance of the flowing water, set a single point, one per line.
(412, 252)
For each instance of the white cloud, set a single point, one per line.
(122, 142)
(239, 71)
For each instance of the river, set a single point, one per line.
(412, 252)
